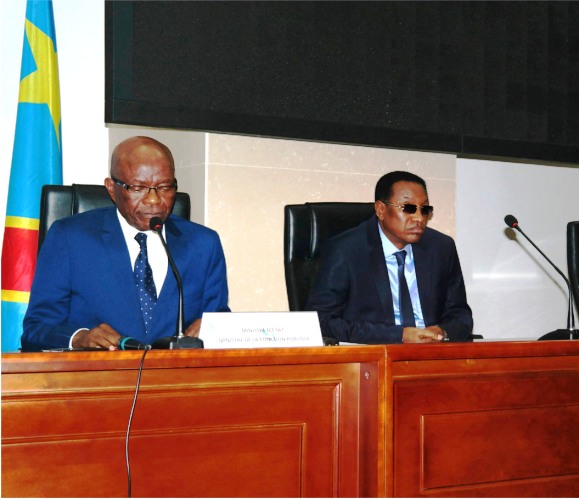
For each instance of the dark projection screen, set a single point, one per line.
(472, 78)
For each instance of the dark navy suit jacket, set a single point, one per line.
(352, 291)
(84, 278)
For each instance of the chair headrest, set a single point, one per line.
(330, 219)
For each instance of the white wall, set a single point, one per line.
(513, 291)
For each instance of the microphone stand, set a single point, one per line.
(559, 334)
(180, 341)
(180, 313)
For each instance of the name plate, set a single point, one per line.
(260, 329)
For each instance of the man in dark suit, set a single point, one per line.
(360, 294)
(85, 292)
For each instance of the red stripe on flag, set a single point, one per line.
(19, 258)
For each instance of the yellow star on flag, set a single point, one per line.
(41, 86)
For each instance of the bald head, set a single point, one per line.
(136, 150)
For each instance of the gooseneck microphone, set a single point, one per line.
(179, 340)
(559, 334)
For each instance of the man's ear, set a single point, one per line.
(110, 186)
(379, 208)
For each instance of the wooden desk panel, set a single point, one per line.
(207, 424)
(486, 420)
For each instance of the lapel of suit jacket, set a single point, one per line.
(123, 291)
(423, 267)
(378, 266)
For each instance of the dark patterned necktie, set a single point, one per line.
(144, 281)
(405, 303)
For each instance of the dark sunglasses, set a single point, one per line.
(426, 210)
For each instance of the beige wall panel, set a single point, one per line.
(250, 180)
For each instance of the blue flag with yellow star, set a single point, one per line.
(36, 160)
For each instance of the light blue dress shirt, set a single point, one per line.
(410, 274)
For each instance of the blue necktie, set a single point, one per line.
(144, 281)
(405, 303)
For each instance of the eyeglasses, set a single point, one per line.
(145, 189)
(426, 210)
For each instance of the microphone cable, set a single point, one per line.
(128, 464)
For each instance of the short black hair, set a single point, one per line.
(386, 182)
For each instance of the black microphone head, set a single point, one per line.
(156, 224)
(511, 221)
(128, 343)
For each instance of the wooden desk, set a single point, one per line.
(496, 419)
(236, 423)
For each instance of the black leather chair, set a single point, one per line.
(59, 201)
(573, 258)
(306, 228)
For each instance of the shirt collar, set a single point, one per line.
(129, 231)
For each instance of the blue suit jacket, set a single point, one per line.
(352, 292)
(84, 278)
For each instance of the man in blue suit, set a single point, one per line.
(359, 289)
(85, 292)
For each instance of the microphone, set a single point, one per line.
(179, 341)
(559, 334)
(128, 343)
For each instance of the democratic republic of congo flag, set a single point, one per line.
(36, 160)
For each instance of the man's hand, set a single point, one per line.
(194, 329)
(103, 336)
(431, 334)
